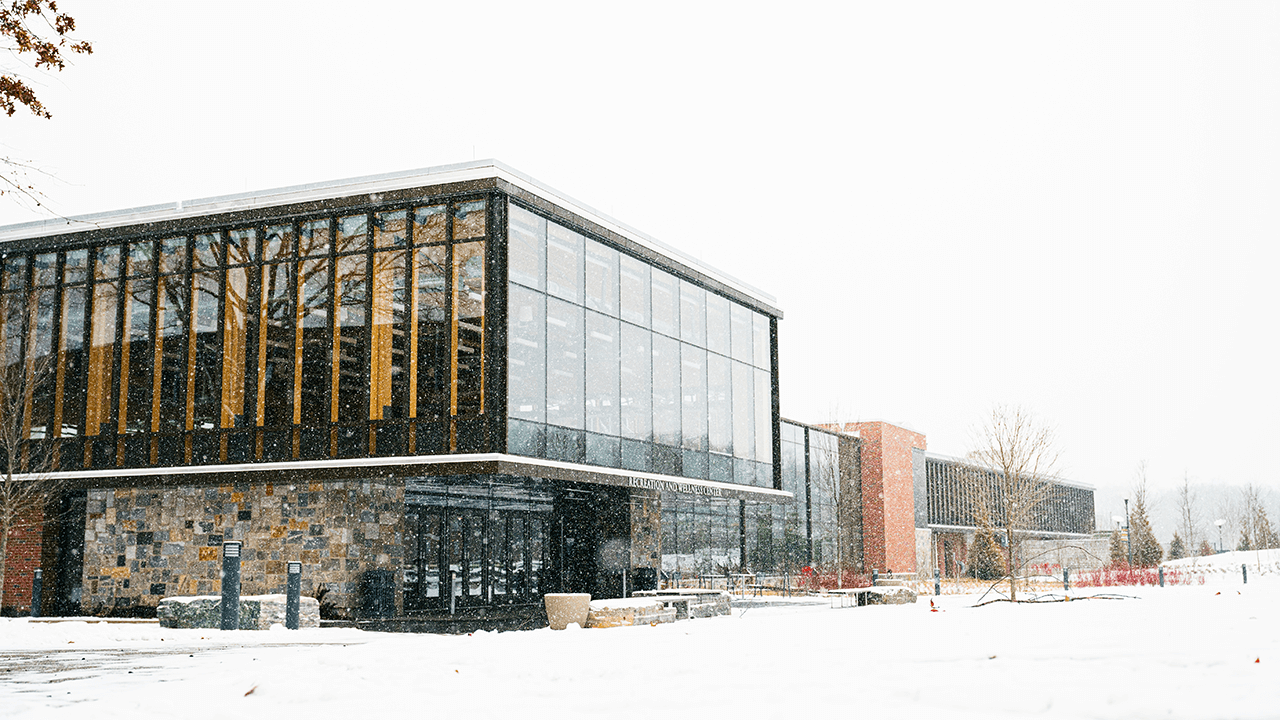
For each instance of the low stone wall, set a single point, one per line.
(1089, 553)
(257, 612)
(622, 613)
(890, 596)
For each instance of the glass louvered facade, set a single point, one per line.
(309, 337)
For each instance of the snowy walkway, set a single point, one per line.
(1177, 652)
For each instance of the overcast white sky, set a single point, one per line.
(1067, 206)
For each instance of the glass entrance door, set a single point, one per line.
(422, 590)
(467, 558)
(475, 554)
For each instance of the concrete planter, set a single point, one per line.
(565, 608)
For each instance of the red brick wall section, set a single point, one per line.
(22, 559)
(888, 500)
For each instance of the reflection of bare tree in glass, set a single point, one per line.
(204, 362)
(468, 263)
(429, 343)
(276, 352)
(235, 328)
(172, 320)
(350, 294)
(387, 394)
(277, 355)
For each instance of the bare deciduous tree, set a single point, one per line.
(1256, 532)
(36, 34)
(1014, 454)
(27, 485)
(1188, 514)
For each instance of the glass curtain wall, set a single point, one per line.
(794, 518)
(617, 363)
(824, 497)
(701, 540)
(332, 336)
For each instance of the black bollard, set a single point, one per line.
(937, 583)
(1160, 573)
(875, 577)
(293, 591)
(1244, 572)
(37, 590)
(230, 585)
(1066, 579)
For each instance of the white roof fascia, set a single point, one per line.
(404, 461)
(368, 184)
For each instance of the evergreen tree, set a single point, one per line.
(1177, 549)
(1205, 549)
(1146, 549)
(1119, 553)
(1264, 536)
(986, 559)
(1246, 543)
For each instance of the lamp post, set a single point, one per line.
(1220, 522)
(1128, 533)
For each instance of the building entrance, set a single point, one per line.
(470, 546)
(473, 546)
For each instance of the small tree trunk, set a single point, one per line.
(1013, 571)
(4, 555)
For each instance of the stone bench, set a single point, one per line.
(257, 612)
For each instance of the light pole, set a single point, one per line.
(1128, 533)
(1220, 522)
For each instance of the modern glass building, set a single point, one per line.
(455, 378)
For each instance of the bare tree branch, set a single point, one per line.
(1013, 457)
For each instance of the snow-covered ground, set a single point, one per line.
(1200, 651)
(1258, 562)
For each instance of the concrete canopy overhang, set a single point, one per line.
(435, 465)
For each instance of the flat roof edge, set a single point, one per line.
(967, 463)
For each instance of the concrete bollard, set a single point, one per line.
(1066, 580)
(37, 591)
(230, 585)
(1160, 574)
(937, 582)
(292, 595)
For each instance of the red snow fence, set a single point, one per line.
(1121, 574)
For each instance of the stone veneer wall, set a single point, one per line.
(145, 543)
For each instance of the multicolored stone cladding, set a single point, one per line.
(142, 544)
